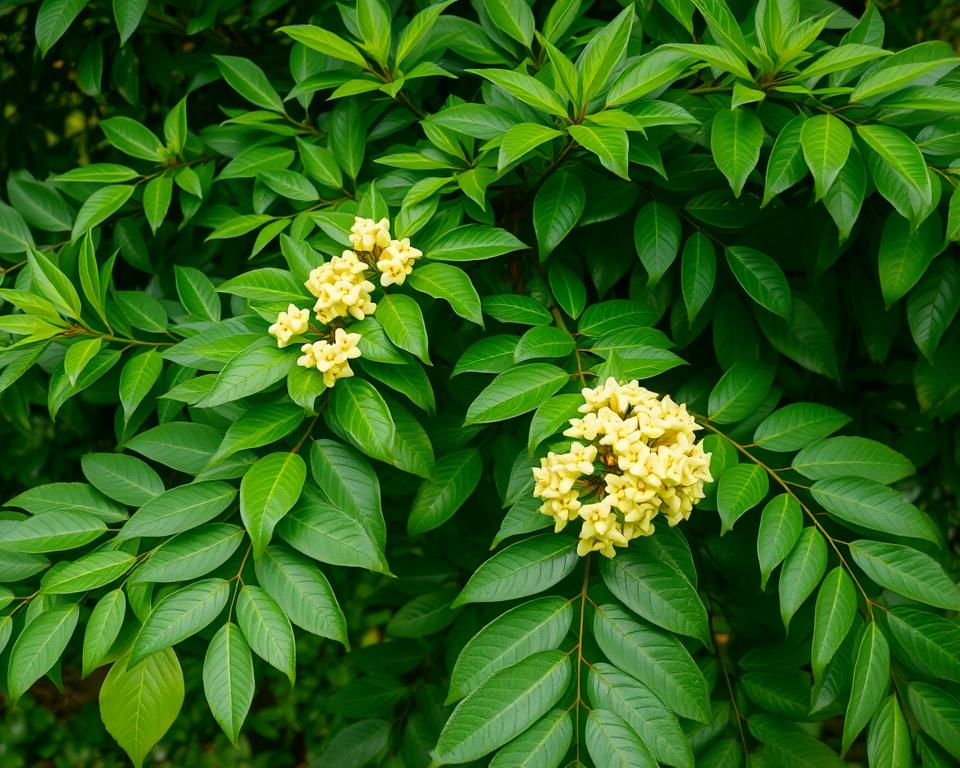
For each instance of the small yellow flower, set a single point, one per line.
(651, 464)
(341, 289)
(332, 359)
(367, 234)
(289, 324)
(396, 262)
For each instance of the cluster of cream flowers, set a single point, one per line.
(650, 463)
(331, 359)
(342, 291)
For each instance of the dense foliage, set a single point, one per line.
(296, 298)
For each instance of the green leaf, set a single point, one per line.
(797, 425)
(557, 208)
(780, 524)
(53, 284)
(303, 593)
(723, 26)
(902, 69)
(15, 236)
(787, 165)
(78, 355)
(835, 611)
(453, 480)
(611, 742)
(424, 615)
(99, 207)
(525, 568)
(324, 42)
(735, 140)
(740, 489)
(656, 234)
(69, 497)
(513, 17)
(866, 504)
(179, 509)
(659, 729)
(373, 22)
(102, 629)
(247, 79)
(888, 741)
(934, 304)
(761, 278)
(39, 647)
(901, 155)
(54, 19)
(527, 89)
(453, 285)
(871, 679)
(139, 704)
(510, 308)
(516, 391)
(718, 57)
(907, 572)
(88, 572)
(180, 615)
(529, 628)
(260, 425)
(290, 185)
(905, 253)
(268, 491)
(938, 714)
(250, 371)
(472, 242)
(801, 572)
(826, 143)
(567, 289)
(402, 320)
(544, 341)
(543, 745)
(175, 123)
(364, 416)
(330, 535)
(124, 478)
(52, 532)
(790, 746)
(650, 587)
(104, 173)
(350, 483)
(418, 29)
(267, 629)
(228, 681)
(503, 707)
(655, 658)
(852, 457)
(650, 72)
(610, 145)
(39, 203)
(698, 272)
(843, 58)
(132, 138)
(927, 641)
(190, 554)
(137, 379)
(739, 392)
(604, 53)
(156, 200)
(518, 140)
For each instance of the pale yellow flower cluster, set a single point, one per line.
(341, 289)
(394, 259)
(291, 323)
(649, 463)
(331, 359)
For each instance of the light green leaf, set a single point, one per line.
(516, 391)
(735, 140)
(801, 572)
(402, 320)
(888, 740)
(529, 628)
(826, 143)
(797, 425)
(267, 629)
(450, 283)
(52, 532)
(99, 207)
(543, 745)
(655, 658)
(179, 509)
(610, 145)
(518, 140)
(268, 491)
(53, 284)
(525, 568)
(88, 572)
(39, 647)
(139, 704)
(260, 425)
(324, 42)
(527, 89)
(780, 524)
(126, 479)
(191, 554)
(247, 79)
(907, 572)
(102, 629)
(901, 155)
(611, 742)
(180, 615)
(871, 679)
(364, 417)
(852, 457)
(740, 489)
(503, 707)
(228, 681)
(654, 590)
(350, 483)
(137, 379)
(54, 19)
(303, 593)
(472, 242)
